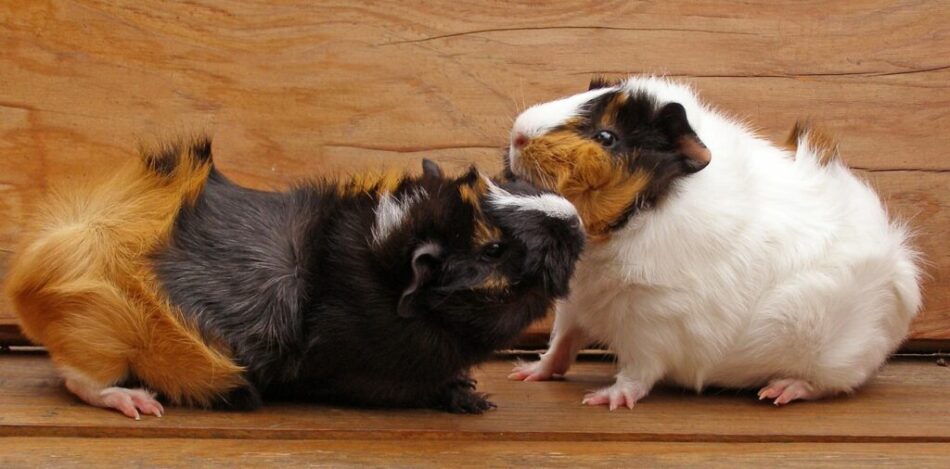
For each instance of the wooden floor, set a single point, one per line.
(901, 418)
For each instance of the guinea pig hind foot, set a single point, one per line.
(784, 391)
(131, 402)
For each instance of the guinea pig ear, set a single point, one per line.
(431, 169)
(471, 176)
(672, 121)
(424, 261)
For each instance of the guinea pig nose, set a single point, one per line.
(519, 141)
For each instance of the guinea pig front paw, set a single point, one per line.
(461, 398)
(621, 393)
(541, 370)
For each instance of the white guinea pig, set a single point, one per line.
(716, 258)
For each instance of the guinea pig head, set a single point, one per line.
(611, 151)
(483, 259)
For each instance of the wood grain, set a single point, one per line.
(905, 403)
(298, 88)
(185, 453)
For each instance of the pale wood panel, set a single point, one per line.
(189, 453)
(906, 402)
(302, 88)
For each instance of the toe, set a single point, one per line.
(795, 391)
(522, 372)
(769, 393)
(631, 398)
(536, 371)
(535, 377)
(146, 402)
(596, 398)
(148, 405)
(783, 391)
(785, 397)
(123, 403)
(774, 389)
(616, 399)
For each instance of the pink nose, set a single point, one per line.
(519, 141)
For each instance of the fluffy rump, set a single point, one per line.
(82, 285)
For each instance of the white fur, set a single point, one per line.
(390, 213)
(764, 265)
(551, 205)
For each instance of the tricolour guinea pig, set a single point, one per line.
(377, 290)
(715, 257)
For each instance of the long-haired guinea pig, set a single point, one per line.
(377, 290)
(715, 257)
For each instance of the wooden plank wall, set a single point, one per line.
(294, 88)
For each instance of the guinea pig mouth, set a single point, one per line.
(511, 159)
(518, 166)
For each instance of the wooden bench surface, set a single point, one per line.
(292, 89)
(172, 452)
(903, 415)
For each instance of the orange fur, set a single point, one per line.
(496, 282)
(824, 146)
(586, 175)
(372, 183)
(609, 116)
(83, 287)
(472, 194)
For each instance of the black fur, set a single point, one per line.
(307, 300)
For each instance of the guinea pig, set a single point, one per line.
(376, 290)
(715, 256)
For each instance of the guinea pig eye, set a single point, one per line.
(606, 138)
(493, 250)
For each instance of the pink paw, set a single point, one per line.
(621, 393)
(130, 402)
(784, 391)
(533, 371)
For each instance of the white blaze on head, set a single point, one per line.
(540, 118)
(391, 212)
(551, 205)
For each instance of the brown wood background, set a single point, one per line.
(294, 88)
